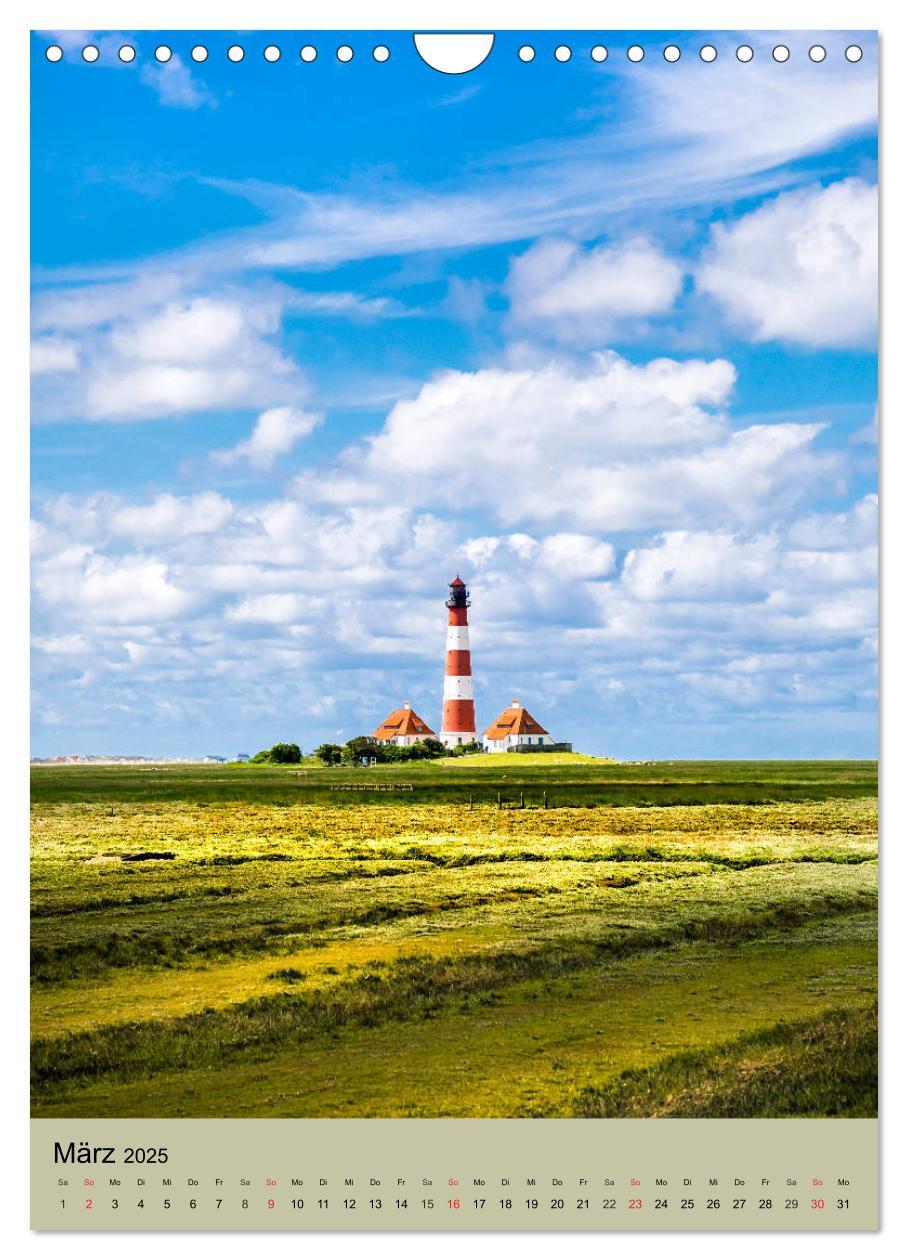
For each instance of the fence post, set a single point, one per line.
(545, 800)
(499, 798)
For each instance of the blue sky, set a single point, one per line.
(310, 338)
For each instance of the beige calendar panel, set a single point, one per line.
(454, 1174)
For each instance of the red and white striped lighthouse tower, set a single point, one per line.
(458, 721)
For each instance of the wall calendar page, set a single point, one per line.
(454, 781)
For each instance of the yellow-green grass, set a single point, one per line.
(811, 1066)
(469, 910)
(530, 1050)
(208, 958)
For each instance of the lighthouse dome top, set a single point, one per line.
(459, 596)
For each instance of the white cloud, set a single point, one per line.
(576, 557)
(53, 354)
(802, 267)
(595, 444)
(195, 356)
(687, 565)
(175, 84)
(164, 389)
(101, 519)
(172, 517)
(587, 296)
(279, 609)
(566, 557)
(708, 567)
(118, 590)
(145, 351)
(162, 344)
(287, 603)
(63, 644)
(276, 433)
(203, 330)
(831, 530)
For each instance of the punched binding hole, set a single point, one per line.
(780, 53)
(199, 53)
(454, 52)
(599, 53)
(163, 53)
(708, 53)
(562, 53)
(308, 53)
(381, 52)
(272, 53)
(526, 52)
(90, 53)
(235, 53)
(745, 53)
(854, 52)
(635, 53)
(672, 53)
(53, 52)
(345, 53)
(127, 53)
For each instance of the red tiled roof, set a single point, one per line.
(403, 722)
(514, 721)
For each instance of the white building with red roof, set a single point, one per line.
(403, 727)
(515, 728)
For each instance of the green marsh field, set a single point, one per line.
(488, 936)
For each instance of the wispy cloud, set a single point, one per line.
(172, 81)
(465, 94)
(677, 145)
(176, 85)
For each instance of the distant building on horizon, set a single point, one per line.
(403, 727)
(516, 728)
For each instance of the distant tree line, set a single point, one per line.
(364, 747)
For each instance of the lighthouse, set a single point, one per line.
(458, 721)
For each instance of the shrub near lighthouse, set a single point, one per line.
(458, 721)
